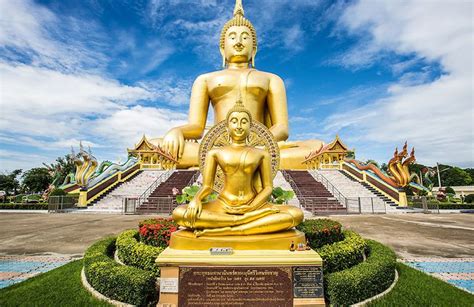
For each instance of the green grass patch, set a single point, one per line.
(58, 287)
(415, 288)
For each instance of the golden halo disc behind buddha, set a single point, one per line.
(260, 137)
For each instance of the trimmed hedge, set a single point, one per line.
(469, 199)
(137, 254)
(456, 206)
(343, 254)
(123, 283)
(26, 206)
(321, 232)
(364, 280)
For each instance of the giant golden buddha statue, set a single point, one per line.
(242, 207)
(264, 93)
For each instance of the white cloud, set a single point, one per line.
(435, 116)
(47, 40)
(127, 126)
(44, 102)
(172, 90)
(54, 92)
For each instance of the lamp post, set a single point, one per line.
(439, 177)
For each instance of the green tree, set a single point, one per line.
(455, 176)
(36, 180)
(63, 167)
(9, 182)
(470, 171)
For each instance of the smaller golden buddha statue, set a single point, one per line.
(242, 207)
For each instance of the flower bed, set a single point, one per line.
(137, 254)
(156, 232)
(363, 280)
(122, 283)
(343, 254)
(321, 232)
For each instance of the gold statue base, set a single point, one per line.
(244, 278)
(186, 240)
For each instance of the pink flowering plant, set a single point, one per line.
(157, 232)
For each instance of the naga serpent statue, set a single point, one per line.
(397, 166)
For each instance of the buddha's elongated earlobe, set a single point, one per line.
(254, 53)
(223, 57)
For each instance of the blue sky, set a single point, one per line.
(375, 72)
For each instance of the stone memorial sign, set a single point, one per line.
(308, 282)
(235, 286)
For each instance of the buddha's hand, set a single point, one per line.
(193, 211)
(173, 142)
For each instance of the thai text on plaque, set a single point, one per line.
(235, 286)
(308, 282)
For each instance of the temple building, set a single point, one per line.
(327, 156)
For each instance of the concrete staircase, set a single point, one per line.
(162, 200)
(112, 201)
(312, 195)
(360, 195)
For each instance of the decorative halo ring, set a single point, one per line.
(218, 136)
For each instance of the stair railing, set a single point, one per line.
(163, 177)
(330, 187)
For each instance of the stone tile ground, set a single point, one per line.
(17, 268)
(456, 271)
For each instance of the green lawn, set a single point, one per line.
(58, 287)
(415, 288)
(62, 287)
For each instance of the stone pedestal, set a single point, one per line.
(242, 278)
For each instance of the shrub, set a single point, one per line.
(280, 196)
(157, 232)
(364, 280)
(137, 254)
(456, 206)
(320, 232)
(469, 199)
(21, 206)
(19, 198)
(123, 283)
(449, 190)
(343, 254)
(188, 194)
(32, 198)
(58, 192)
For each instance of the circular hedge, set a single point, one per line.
(321, 232)
(122, 283)
(348, 279)
(363, 280)
(343, 254)
(132, 252)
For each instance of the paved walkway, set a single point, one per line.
(456, 271)
(14, 269)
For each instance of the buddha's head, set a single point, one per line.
(238, 121)
(238, 41)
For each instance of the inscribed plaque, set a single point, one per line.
(308, 282)
(235, 286)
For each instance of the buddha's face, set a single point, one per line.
(239, 126)
(238, 46)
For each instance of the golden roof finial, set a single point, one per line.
(238, 9)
